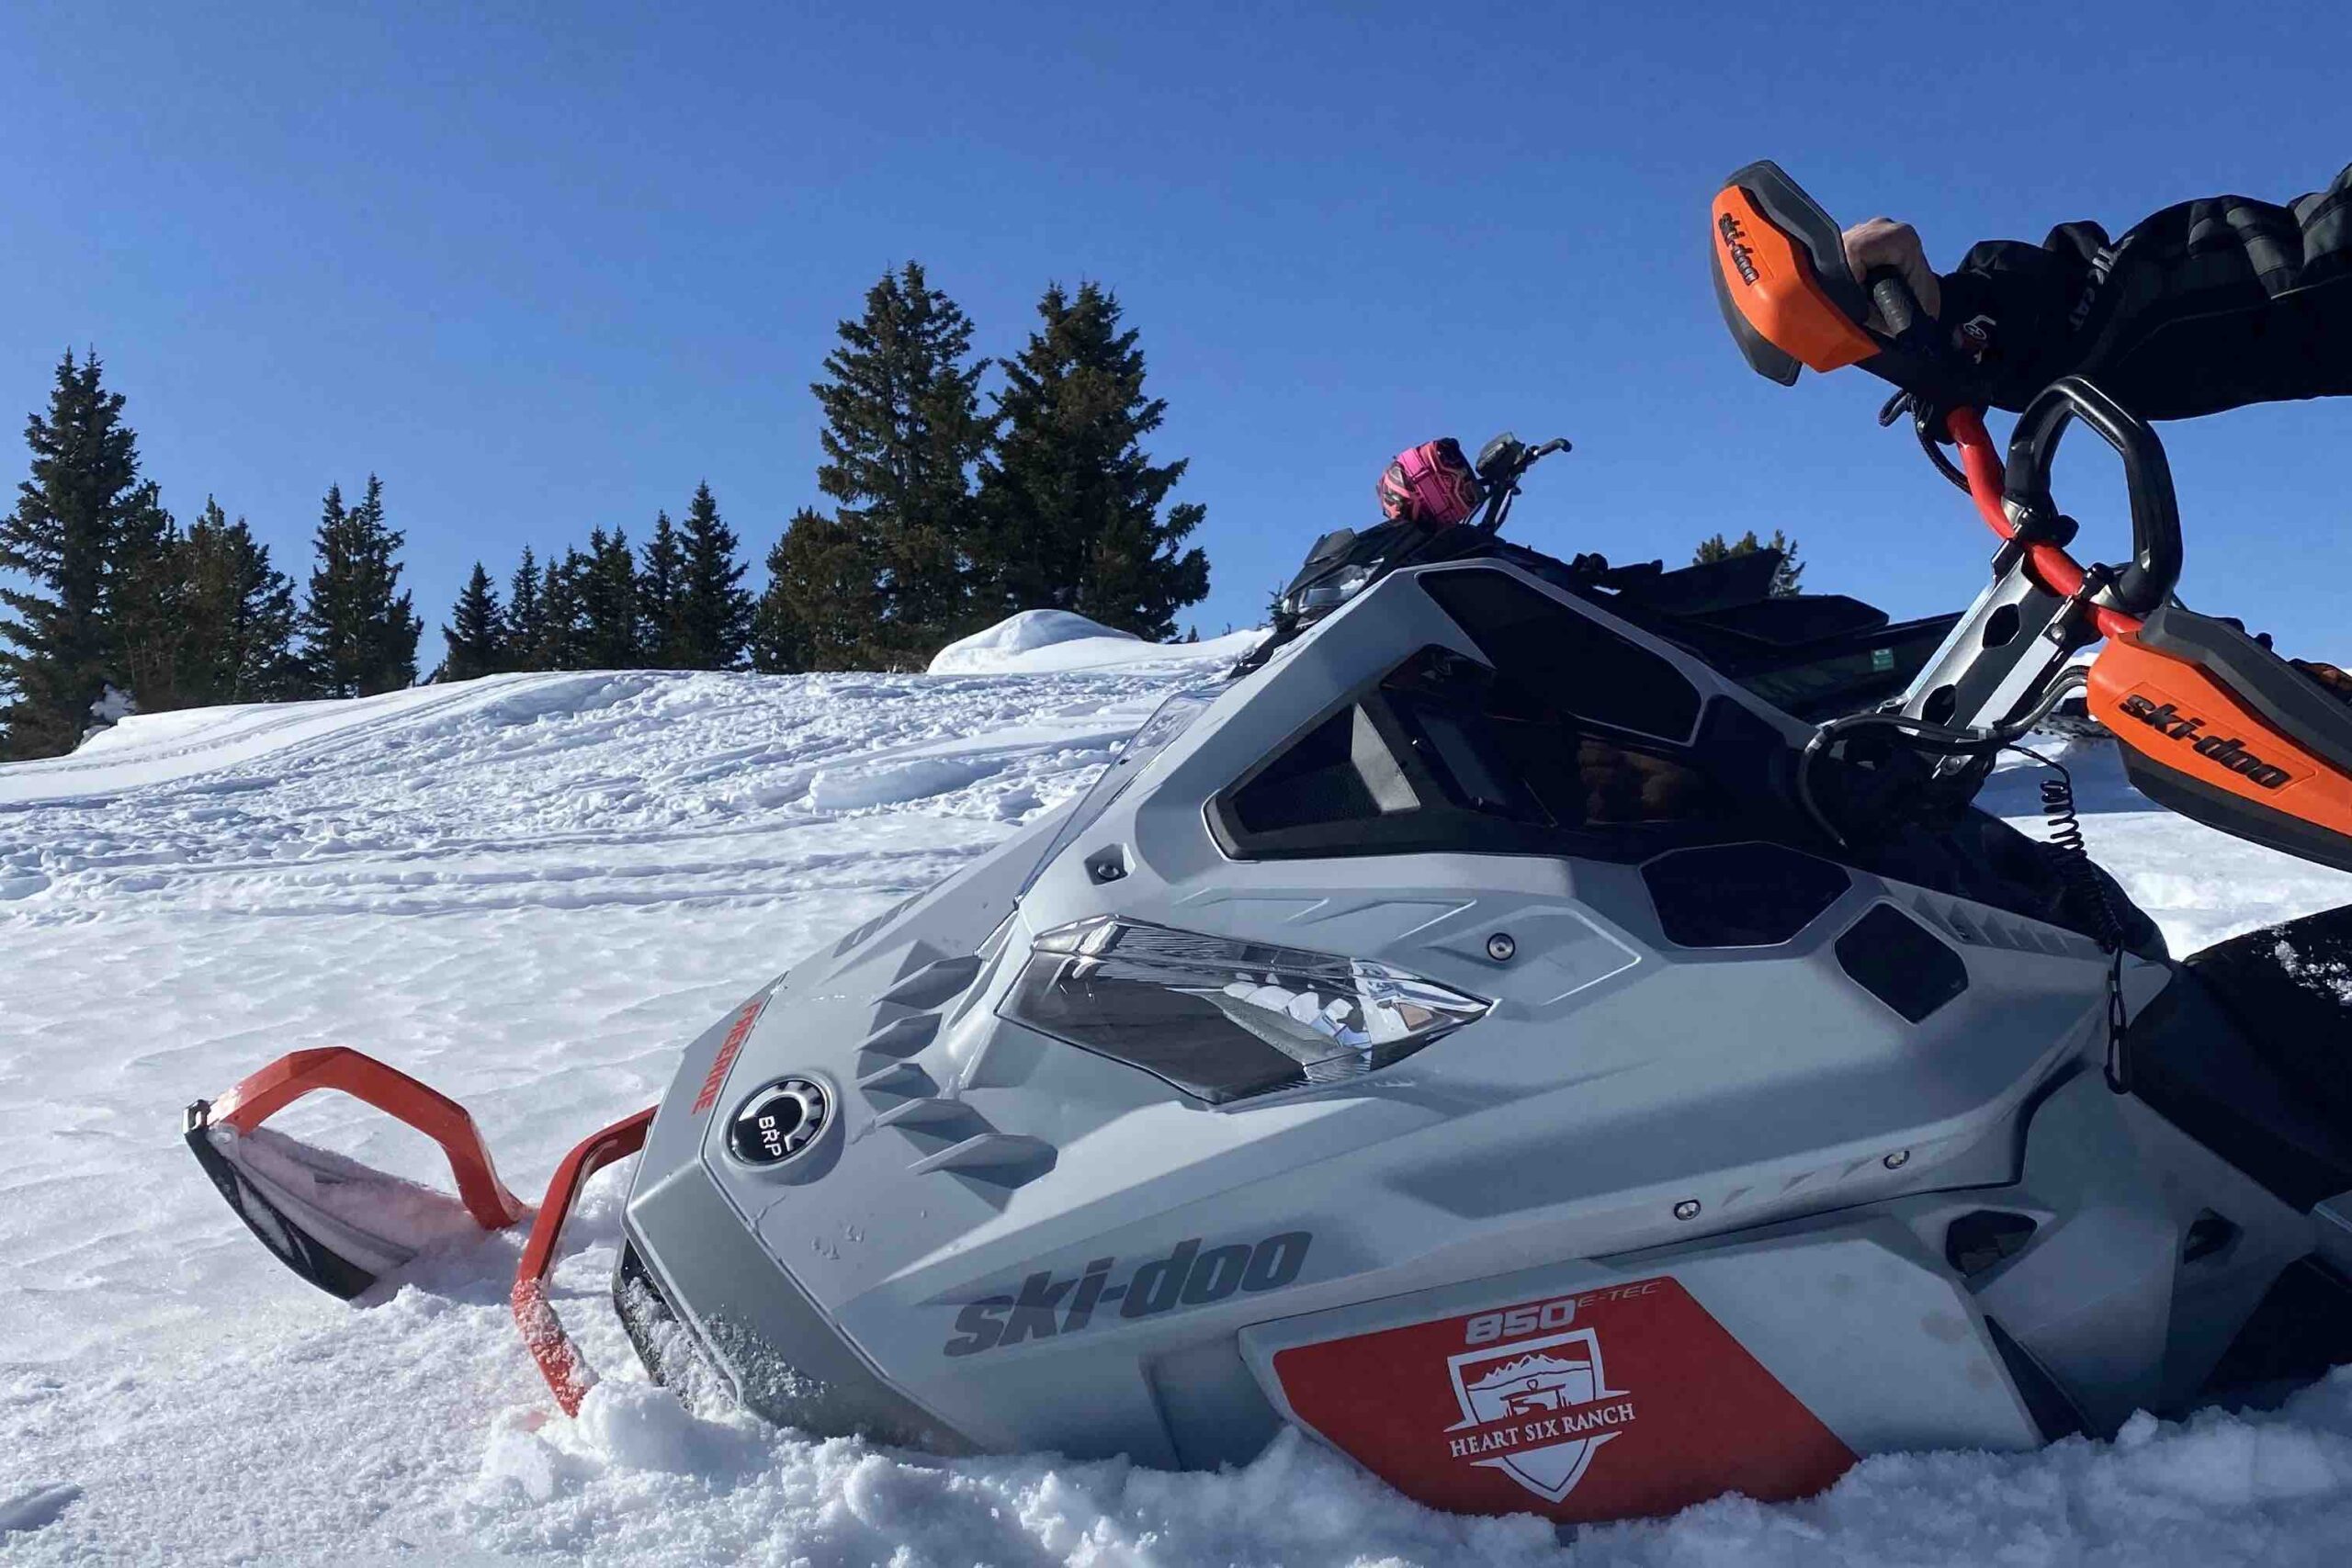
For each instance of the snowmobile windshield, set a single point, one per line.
(1167, 721)
(1444, 753)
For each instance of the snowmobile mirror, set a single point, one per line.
(1499, 457)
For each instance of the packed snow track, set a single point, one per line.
(529, 891)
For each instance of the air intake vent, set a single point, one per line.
(1740, 894)
(1978, 1240)
(2010, 934)
(1899, 961)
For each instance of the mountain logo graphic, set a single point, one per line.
(1537, 1410)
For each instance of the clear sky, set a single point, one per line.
(544, 267)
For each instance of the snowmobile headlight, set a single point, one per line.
(1225, 1020)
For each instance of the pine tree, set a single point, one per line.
(238, 645)
(714, 609)
(476, 631)
(146, 606)
(1784, 577)
(393, 625)
(360, 637)
(1070, 501)
(527, 627)
(563, 638)
(903, 429)
(328, 655)
(661, 591)
(608, 603)
(58, 542)
(820, 599)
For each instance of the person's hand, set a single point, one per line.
(1883, 243)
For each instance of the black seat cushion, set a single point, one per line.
(2249, 1051)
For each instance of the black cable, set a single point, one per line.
(2082, 878)
(1924, 734)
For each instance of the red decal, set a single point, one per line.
(1627, 1399)
(729, 1048)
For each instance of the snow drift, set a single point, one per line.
(529, 890)
(1038, 642)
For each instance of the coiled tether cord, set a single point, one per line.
(2082, 878)
(2090, 890)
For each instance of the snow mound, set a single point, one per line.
(1000, 647)
(1041, 642)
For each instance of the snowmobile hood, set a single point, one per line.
(945, 1192)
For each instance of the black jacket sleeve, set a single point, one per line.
(2202, 307)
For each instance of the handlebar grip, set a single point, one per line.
(1893, 297)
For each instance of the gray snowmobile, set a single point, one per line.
(1487, 1036)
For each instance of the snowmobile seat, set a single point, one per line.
(1705, 586)
(1793, 620)
(2249, 1051)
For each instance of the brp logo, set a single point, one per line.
(779, 1121)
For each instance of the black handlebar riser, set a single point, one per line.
(2156, 550)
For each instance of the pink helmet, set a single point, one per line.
(1431, 483)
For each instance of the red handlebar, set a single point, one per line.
(2050, 565)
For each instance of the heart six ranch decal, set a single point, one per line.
(1629, 1399)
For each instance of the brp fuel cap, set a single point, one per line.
(779, 1121)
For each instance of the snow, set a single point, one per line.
(529, 890)
(1045, 641)
(2333, 975)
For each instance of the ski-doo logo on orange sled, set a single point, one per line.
(2230, 753)
(1629, 1399)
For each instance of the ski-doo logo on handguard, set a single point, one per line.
(1742, 254)
(2230, 753)
(1046, 1308)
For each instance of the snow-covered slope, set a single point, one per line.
(529, 890)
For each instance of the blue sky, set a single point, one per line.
(544, 267)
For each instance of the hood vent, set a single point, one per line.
(948, 1133)
(1008, 1159)
(902, 1038)
(934, 985)
(899, 1077)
